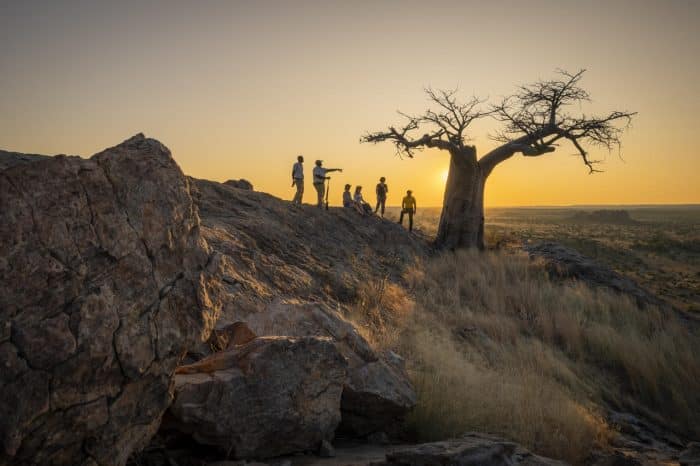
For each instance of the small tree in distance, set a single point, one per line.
(534, 121)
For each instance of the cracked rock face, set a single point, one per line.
(105, 284)
(377, 394)
(269, 397)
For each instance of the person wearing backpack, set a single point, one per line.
(382, 189)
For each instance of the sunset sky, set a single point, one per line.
(238, 89)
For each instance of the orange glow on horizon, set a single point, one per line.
(239, 89)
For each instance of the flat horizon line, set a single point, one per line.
(565, 206)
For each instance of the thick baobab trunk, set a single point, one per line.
(462, 219)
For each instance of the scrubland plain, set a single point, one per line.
(657, 246)
(494, 344)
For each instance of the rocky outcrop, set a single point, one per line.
(273, 249)
(564, 262)
(470, 450)
(240, 184)
(105, 286)
(377, 394)
(11, 159)
(271, 396)
(281, 264)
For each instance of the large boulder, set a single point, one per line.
(105, 285)
(470, 450)
(377, 394)
(268, 397)
(377, 397)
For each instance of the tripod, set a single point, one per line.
(328, 188)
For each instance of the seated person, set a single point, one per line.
(347, 197)
(361, 202)
(349, 202)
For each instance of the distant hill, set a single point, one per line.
(615, 217)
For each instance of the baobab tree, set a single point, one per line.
(536, 120)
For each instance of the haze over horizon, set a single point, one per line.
(238, 89)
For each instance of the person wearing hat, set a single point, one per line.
(298, 179)
(408, 206)
(320, 180)
(381, 191)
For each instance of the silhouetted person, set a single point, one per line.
(364, 206)
(348, 201)
(320, 180)
(298, 179)
(347, 197)
(382, 189)
(408, 206)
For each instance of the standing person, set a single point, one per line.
(408, 206)
(298, 179)
(320, 180)
(382, 189)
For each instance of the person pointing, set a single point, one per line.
(320, 180)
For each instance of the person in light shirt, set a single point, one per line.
(320, 180)
(298, 179)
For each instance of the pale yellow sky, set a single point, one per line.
(238, 89)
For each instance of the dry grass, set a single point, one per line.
(381, 312)
(521, 402)
(494, 345)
